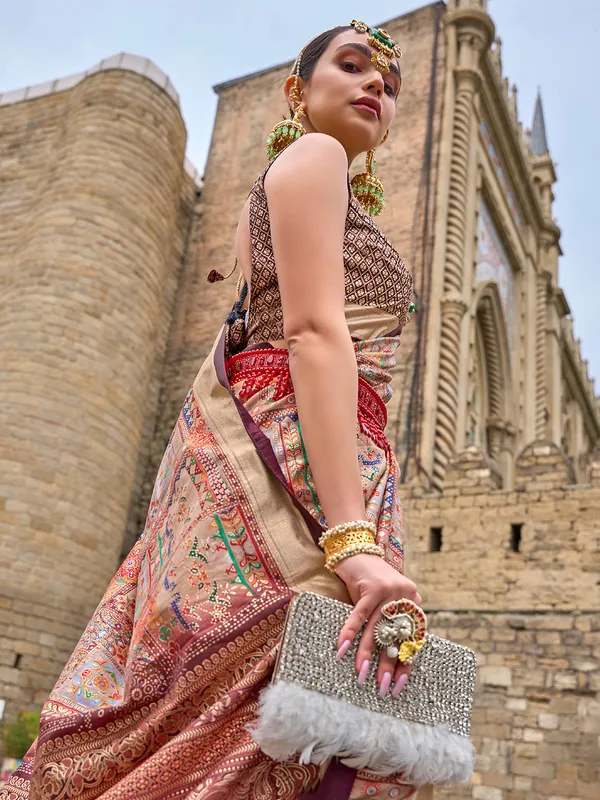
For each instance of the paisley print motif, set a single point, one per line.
(156, 700)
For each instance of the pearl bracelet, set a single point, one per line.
(353, 550)
(348, 527)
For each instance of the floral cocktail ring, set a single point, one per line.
(401, 630)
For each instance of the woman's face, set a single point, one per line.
(347, 97)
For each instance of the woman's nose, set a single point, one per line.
(377, 88)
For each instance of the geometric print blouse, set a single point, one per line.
(375, 275)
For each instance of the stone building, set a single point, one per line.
(106, 237)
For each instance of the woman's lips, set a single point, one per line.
(369, 109)
(370, 104)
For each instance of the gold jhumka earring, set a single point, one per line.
(287, 131)
(366, 186)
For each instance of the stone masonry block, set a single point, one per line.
(487, 793)
(532, 768)
(495, 676)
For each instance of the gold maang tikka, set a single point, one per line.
(287, 131)
(381, 42)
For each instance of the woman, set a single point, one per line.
(157, 698)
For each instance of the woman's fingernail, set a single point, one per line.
(384, 686)
(364, 671)
(343, 650)
(400, 684)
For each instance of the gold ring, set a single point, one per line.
(401, 630)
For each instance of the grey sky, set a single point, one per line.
(545, 42)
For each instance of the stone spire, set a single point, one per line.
(539, 142)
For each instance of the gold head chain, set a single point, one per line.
(379, 39)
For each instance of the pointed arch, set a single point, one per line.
(478, 401)
(490, 399)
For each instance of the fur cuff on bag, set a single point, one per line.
(294, 720)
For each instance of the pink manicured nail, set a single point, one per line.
(364, 671)
(343, 650)
(400, 684)
(384, 686)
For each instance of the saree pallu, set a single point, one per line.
(156, 699)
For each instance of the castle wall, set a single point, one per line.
(29, 132)
(536, 719)
(154, 436)
(88, 250)
(527, 600)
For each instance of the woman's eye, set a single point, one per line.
(390, 90)
(349, 66)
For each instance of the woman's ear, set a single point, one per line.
(288, 86)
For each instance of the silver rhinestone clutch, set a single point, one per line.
(315, 707)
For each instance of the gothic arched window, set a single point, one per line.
(478, 395)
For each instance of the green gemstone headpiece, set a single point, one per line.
(379, 39)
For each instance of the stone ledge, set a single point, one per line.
(127, 61)
(193, 173)
(470, 469)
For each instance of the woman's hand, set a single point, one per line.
(371, 582)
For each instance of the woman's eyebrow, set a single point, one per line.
(366, 51)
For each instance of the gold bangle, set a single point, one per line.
(353, 550)
(348, 527)
(341, 541)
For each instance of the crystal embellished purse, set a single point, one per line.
(315, 708)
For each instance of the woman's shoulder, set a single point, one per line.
(315, 156)
(315, 145)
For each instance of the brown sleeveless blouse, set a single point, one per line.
(375, 275)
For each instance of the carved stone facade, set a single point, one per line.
(106, 237)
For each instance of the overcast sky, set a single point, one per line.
(547, 43)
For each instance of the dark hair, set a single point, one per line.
(315, 49)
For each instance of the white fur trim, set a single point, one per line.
(295, 720)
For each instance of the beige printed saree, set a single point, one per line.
(155, 702)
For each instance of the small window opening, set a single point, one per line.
(435, 540)
(515, 537)
(17, 661)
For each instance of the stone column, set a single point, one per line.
(474, 33)
(555, 311)
(541, 284)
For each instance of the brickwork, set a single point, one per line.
(559, 536)
(24, 162)
(537, 706)
(96, 180)
(516, 579)
(154, 437)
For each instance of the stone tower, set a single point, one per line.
(92, 173)
(106, 238)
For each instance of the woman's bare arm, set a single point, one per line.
(307, 193)
(308, 200)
